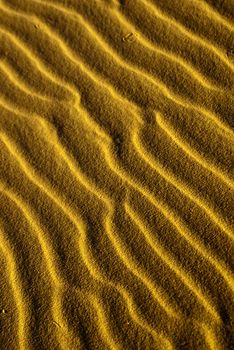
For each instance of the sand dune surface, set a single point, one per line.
(116, 174)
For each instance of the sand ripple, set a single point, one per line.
(116, 174)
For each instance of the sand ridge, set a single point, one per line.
(116, 174)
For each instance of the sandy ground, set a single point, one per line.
(116, 174)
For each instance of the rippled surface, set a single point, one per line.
(116, 174)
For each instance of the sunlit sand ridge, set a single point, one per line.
(116, 174)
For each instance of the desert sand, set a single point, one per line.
(116, 174)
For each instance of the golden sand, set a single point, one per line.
(116, 174)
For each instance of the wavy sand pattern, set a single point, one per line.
(116, 174)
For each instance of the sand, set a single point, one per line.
(116, 174)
